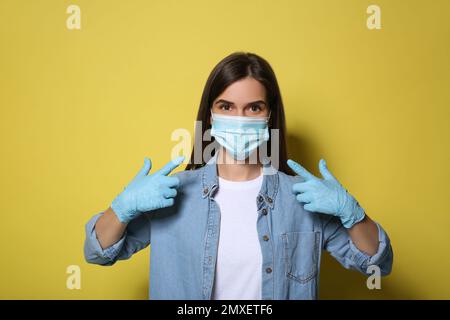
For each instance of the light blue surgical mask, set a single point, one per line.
(240, 136)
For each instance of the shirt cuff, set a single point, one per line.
(363, 259)
(109, 253)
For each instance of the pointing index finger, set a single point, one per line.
(170, 166)
(298, 169)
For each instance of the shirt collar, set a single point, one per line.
(269, 187)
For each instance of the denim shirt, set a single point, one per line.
(184, 241)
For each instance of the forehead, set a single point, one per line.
(243, 91)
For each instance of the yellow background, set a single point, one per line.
(81, 108)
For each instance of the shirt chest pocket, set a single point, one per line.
(301, 255)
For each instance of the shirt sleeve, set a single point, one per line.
(135, 238)
(338, 243)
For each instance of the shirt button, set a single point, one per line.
(269, 200)
(264, 211)
(205, 191)
(265, 237)
(268, 270)
(260, 198)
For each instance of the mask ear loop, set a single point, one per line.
(266, 167)
(268, 118)
(212, 116)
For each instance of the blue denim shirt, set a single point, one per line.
(184, 240)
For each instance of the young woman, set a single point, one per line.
(233, 225)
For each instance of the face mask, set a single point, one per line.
(239, 135)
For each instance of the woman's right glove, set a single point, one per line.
(147, 192)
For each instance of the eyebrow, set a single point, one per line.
(229, 102)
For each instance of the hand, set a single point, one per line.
(147, 192)
(326, 195)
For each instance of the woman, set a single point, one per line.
(233, 225)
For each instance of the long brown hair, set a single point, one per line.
(232, 68)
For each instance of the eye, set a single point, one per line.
(255, 108)
(225, 106)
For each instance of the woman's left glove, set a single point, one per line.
(326, 195)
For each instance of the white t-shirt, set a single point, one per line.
(239, 259)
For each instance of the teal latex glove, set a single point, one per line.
(326, 195)
(147, 192)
